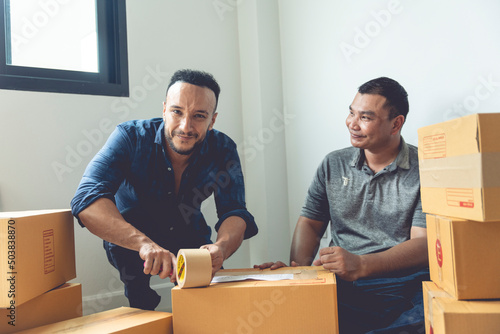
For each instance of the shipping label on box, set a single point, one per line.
(123, 320)
(61, 303)
(458, 162)
(37, 253)
(305, 303)
(446, 315)
(464, 256)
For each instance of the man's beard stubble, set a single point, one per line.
(170, 142)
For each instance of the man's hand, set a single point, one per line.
(342, 263)
(274, 265)
(217, 255)
(229, 238)
(158, 261)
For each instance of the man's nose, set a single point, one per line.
(185, 124)
(353, 122)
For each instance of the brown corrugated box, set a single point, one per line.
(446, 315)
(305, 304)
(464, 256)
(458, 161)
(123, 320)
(61, 303)
(37, 253)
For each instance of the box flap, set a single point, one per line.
(489, 134)
(112, 321)
(434, 140)
(450, 305)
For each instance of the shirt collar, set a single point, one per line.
(160, 134)
(402, 160)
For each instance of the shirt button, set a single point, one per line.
(169, 169)
(171, 229)
(169, 193)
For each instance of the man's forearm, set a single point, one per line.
(305, 242)
(103, 219)
(230, 235)
(409, 255)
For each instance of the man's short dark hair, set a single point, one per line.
(395, 95)
(197, 78)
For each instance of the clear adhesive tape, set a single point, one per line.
(194, 268)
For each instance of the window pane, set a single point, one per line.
(56, 34)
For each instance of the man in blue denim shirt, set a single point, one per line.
(143, 191)
(370, 195)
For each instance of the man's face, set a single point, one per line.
(368, 122)
(189, 114)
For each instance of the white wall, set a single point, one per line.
(274, 63)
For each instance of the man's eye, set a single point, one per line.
(200, 116)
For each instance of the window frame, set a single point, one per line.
(112, 78)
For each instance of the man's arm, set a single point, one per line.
(229, 238)
(408, 255)
(103, 219)
(306, 240)
(305, 244)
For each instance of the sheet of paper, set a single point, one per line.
(234, 278)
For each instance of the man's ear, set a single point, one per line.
(214, 117)
(397, 124)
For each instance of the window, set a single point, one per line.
(64, 46)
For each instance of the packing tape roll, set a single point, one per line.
(194, 268)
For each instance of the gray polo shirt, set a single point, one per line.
(368, 212)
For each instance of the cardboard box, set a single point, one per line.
(123, 320)
(305, 304)
(446, 315)
(37, 253)
(62, 303)
(464, 256)
(458, 161)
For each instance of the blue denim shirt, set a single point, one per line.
(133, 170)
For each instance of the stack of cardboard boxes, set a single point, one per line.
(460, 188)
(37, 259)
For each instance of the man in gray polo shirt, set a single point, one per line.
(370, 194)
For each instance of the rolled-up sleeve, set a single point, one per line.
(230, 194)
(104, 174)
(418, 218)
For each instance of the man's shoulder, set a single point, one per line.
(141, 127)
(140, 124)
(413, 154)
(219, 140)
(338, 159)
(343, 154)
(412, 148)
